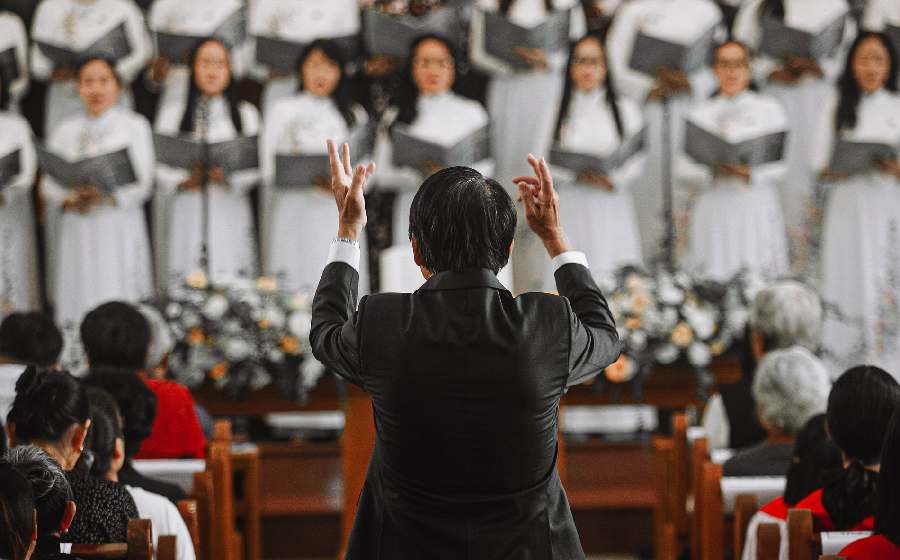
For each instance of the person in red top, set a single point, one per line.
(860, 407)
(176, 433)
(885, 543)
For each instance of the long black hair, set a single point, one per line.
(136, 402)
(106, 427)
(612, 99)
(850, 93)
(407, 97)
(46, 405)
(341, 94)
(231, 94)
(887, 513)
(506, 5)
(814, 454)
(4, 93)
(16, 513)
(860, 407)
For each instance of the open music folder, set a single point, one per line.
(106, 171)
(283, 55)
(780, 40)
(580, 162)
(10, 167)
(9, 66)
(650, 53)
(304, 170)
(231, 155)
(710, 149)
(113, 45)
(852, 157)
(386, 34)
(177, 47)
(410, 151)
(502, 37)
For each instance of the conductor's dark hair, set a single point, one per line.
(116, 334)
(814, 454)
(860, 407)
(612, 98)
(887, 513)
(30, 339)
(136, 403)
(231, 94)
(16, 513)
(406, 99)
(46, 405)
(850, 93)
(341, 94)
(506, 5)
(49, 484)
(462, 221)
(106, 427)
(110, 63)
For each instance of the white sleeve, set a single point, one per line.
(749, 552)
(824, 138)
(477, 52)
(52, 192)
(141, 45)
(344, 252)
(41, 66)
(619, 43)
(388, 175)
(243, 182)
(25, 179)
(569, 257)
(142, 157)
(747, 30)
(833, 66)
(19, 86)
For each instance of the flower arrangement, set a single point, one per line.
(667, 316)
(242, 335)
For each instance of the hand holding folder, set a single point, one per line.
(852, 158)
(518, 46)
(425, 156)
(106, 172)
(714, 151)
(304, 170)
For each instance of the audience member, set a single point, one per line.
(52, 411)
(789, 388)
(25, 339)
(53, 501)
(17, 516)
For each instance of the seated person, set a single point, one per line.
(107, 445)
(790, 387)
(52, 411)
(785, 314)
(53, 499)
(116, 338)
(17, 526)
(860, 407)
(885, 543)
(177, 433)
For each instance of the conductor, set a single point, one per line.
(465, 379)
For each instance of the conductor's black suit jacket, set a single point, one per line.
(465, 383)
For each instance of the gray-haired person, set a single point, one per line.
(790, 387)
(785, 314)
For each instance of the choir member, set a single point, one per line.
(13, 57)
(297, 21)
(78, 25)
(598, 208)
(428, 109)
(879, 14)
(861, 231)
(670, 91)
(802, 85)
(299, 218)
(736, 222)
(18, 259)
(522, 100)
(212, 113)
(98, 240)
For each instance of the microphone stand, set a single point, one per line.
(204, 192)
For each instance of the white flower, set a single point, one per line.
(666, 354)
(701, 319)
(736, 319)
(637, 340)
(216, 307)
(232, 326)
(698, 354)
(669, 318)
(606, 282)
(683, 279)
(670, 294)
(274, 316)
(237, 349)
(299, 324)
(190, 319)
(173, 310)
(300, 301)
(275, 355)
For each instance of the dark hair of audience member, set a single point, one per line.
(110, 63)
(462, 220)
(106, 427)
(116, 334)
(887, 513)
(860, 407)
(52, 491)
(231, 94)
(850, 91)
(30, 339)
(135, 401)
(814, 454)
(772, 8)
(47, 405)
(16, 513)
(612, 98)
(406, 98)
(341, 94)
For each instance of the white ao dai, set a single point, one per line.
(13, 36)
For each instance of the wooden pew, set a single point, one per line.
(745, 507)
(768, 541)
(806, 544)
(699, 457)
(710, 513)
(245, 468)
(189, 513)
(665, 544)
(138, 547)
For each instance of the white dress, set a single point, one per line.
(802, 103)
(301, 222)
(678, 21)
(18, 258)
(861, 244)
(443, 119)
(301, 21)
(192, 18)
(166, 520)
(13, 36)
(601, 224)
(736, 225)
(77, 24)
(231, 233)
(105, 254)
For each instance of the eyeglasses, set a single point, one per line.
(738, 64)
(442, 63)
(587, 61)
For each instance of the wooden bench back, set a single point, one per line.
(138, 547)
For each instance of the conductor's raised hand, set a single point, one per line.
(348, 185)
(542, 206)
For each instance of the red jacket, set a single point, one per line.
(822, 521)
(875, 547)
(776, 508)
(176, 431)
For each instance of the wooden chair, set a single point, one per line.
(245, 468)
(166, 547)
(189, 513)
(710, 513)
(745, 507)
(138, 547)
(768, 541)
(206, 512)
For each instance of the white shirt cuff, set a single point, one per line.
(569, 257)
(344, 252)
